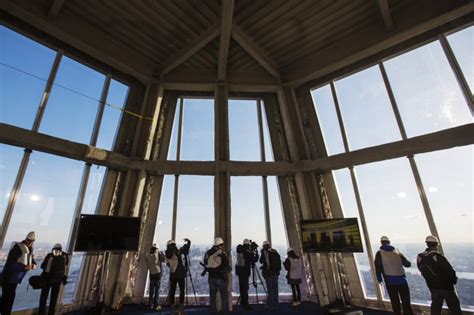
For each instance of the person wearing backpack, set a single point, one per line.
(294, 266)
(271, 266)
(20, 260)
(153, 260)
(54, 273)
(440, 278)
(217, 265)
(174, 261)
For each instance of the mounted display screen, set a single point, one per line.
(99, 233)
(331, 235)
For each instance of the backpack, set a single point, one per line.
(429, 268)
(275, 261)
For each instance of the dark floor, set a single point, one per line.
(284, 309)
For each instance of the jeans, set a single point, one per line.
(54, 287)
(439, 296)
(173, 283)
(8, 297)
(244, 290)
(295, 289)
(221, 285)
(398, 292)
(272, 287)
(154, 294)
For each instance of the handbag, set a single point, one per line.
(37, 282)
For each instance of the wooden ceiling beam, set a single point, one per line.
(55, 8)
(372, 40)
(246, 43)
(192, 48)
(224, 41)
(386, 15)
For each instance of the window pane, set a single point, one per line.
(348, 202)
(116, 99)
(366, 109)
(279, 236)
(91, 197)
(327, 116)
(163, 227)
(46, 205)
(462, 44)
(198, 130)
(266, 137)
(448, 180)
(247, 216)
(393, 207)
(426, 91)
(196, 222)
(70, 115)
(243, 131)
(24, 68)
(174, 134)
(10, 159)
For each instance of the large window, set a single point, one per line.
(46, 205)
(429, 99)
(427, 93)
(197, 130)
(47, 196)
(24, 69)
(244, 131)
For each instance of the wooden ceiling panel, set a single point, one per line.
(239, 59)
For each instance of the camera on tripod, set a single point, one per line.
(253, 246)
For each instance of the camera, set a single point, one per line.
(253, 246)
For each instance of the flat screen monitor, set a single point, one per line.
(331, 235)
(98, 233)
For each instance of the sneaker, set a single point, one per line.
(294, 304)
(158, 308)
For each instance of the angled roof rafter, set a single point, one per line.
(224, 41)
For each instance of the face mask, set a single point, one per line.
(56, 252)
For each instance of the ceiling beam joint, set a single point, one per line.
(224, 42)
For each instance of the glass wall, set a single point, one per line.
(429, 99)
(48, 194)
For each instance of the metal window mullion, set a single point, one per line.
(453, 62)
(100, 111)
(176, 178)
(355, 186)
(419, 183)
(47, 91)
(26, 156)
(266, 202)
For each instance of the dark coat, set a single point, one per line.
(13, 271)
(437, 271)
(57, 271)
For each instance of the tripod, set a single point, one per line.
(256, 274)
(187, 264)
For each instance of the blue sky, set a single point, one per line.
(425, 89)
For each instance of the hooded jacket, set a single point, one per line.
(437, 271)
(389, 263)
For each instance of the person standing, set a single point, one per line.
(54, 273)
(20, 260)
(153, 260)
(247, 256)
(294, 266)
(440, 278)
(271, 266)
(389, 263)
(217, 265)
(174, 261)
